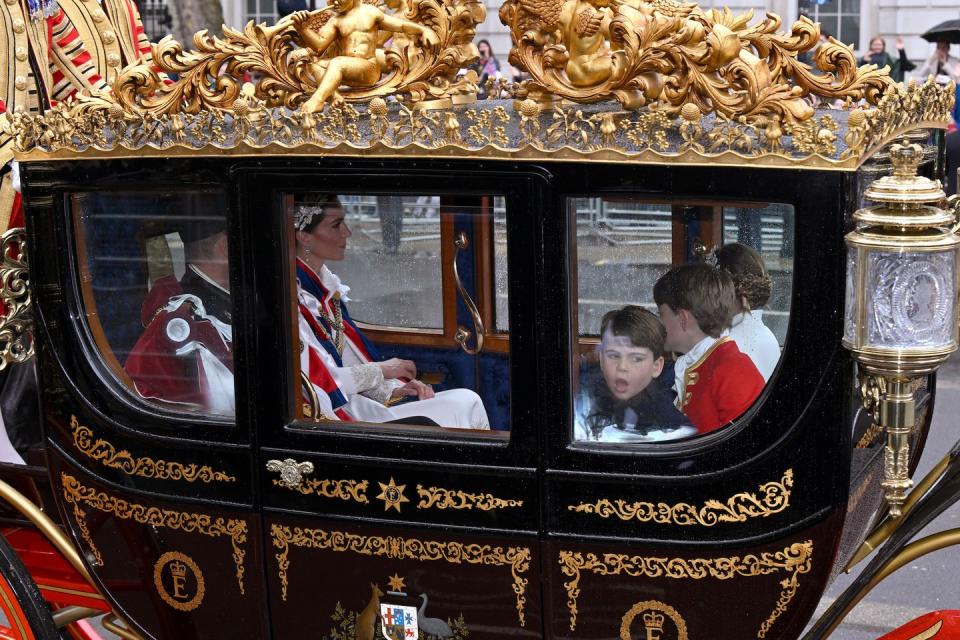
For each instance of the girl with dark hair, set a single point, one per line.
(753, 288)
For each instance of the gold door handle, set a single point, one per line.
(291, 471)
(462, 336)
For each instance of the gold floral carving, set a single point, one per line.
(869, 436)
(338, 489)
(517, 558)
(673, 54)
(16, 310)
(440, 498)
(836, 139)
(773, 497)
(289, 60)
(79, 496)
(794, 561)
(105, 453)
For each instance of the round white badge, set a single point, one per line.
(178, 330)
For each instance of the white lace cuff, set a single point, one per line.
(384, 391)
(366, 377)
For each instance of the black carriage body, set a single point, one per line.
(732, 535)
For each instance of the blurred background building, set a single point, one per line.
(851, 21)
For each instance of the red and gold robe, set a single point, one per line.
(719, 386)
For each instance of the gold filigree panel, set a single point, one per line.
(440, 498)
(16, 305)
(793, 561)
(391, 494)
(673, 55)
(397, 548)
(349, 51)
(105, 453)
(772, 497)
(347, 490)
(95, 127)
(80, 497)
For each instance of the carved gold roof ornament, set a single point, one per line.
(672, 54)
(409, 48)
(96, 127)
(715, 90)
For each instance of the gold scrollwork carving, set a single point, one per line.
(351, 51)
(78, 496)
(338, 489)
(793, 560)
(517, 558)
(440, 498)
(106, 454)
(16, 307)
(674, 54)
(98, 127)
(773, 497)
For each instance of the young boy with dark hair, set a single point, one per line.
(715, 382)
(626, 403)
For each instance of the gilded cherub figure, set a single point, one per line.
(353, 33)
(583, 28)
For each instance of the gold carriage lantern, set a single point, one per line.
(901, 302)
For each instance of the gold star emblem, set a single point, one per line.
(396, 583)
(392, 495)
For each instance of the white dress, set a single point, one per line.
(756, 340)
(364, 386)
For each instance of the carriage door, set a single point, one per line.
(642, 489)
(397, 502)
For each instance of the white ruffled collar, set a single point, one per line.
(330, 281)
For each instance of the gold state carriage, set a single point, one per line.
(255, 493)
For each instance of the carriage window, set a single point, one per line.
(156, 292)
(391, 292)
(404, 233)
(682, 312)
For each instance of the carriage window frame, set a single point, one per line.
(577, 343)
(89, 327)
(498, 342)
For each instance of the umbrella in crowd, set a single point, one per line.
(948, 31)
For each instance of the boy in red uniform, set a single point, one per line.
(715, 382)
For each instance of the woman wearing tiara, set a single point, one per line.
(343, 372)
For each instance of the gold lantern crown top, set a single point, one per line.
(906, 200)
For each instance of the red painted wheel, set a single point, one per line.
(26, 614)
(935, 625)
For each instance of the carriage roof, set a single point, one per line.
(753, 109)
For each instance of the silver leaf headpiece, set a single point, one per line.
(304, 215)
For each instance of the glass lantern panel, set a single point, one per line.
(850, 302)
(913, 299)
